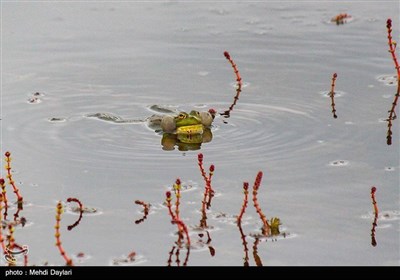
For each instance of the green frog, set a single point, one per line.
(170, 123)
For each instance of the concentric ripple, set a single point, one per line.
(255, 131)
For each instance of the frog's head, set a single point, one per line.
(206, 117)
(184, 119)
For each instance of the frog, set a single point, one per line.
(170, 124)
(169, 121)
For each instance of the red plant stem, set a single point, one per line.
(3, 246)
(203, 221)
(146, 210)
(332, 94)
(266, 227)
(11, 244)
(169, 206)
(3, 191)
(19, 247)
(16, 215)
(245, 248)
(173, 216)
(257, 258)
(376, 211)
(169, 261)
(72, 199)
(374, 224)
(177, 190)
(208, 188)
(392, 50)
(226, 114)
(187, 257)
(58, 234)
(392, 115)
(182, 225)
(177, 257)
(245, 201)
(235, 69)
(4, 197)
(11, 181)
(200, 163)
(392, 46)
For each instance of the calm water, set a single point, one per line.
(122, 58)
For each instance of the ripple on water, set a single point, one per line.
(388, 80)
(390, 168)
(339, 163)
(337, 94)
(384, 216)
(255, 131)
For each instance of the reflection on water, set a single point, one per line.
(185, 142)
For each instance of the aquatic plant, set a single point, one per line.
(257, 258)
(177, 254)
(10, 246)
(245, 201)
(4, 197)
(11, 181)
(146, 210)
(23, 250)
(182, 228)
(208, 191)
(392, 49)
(245, 248)
(376, 212)
(72, 199)
(341, 18)
(3, 246)
(266, 227)
(227, 113)
(332, 94)
(59, 211)
(130, 258)
(177, 190)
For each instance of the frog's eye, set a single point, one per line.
(181, 116)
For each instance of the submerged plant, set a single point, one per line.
(332, 94)
(392, 49)
(227, 113)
